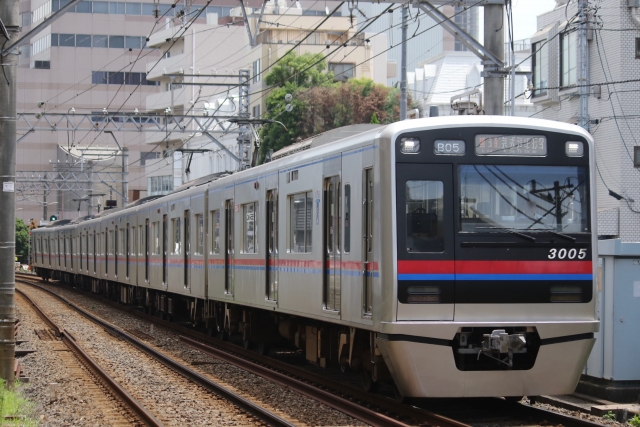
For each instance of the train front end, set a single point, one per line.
(494, 243)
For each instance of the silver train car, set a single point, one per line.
(452, 256)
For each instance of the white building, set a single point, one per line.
(223, 47)
(614, 52)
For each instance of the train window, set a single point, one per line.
(134, 241)
(199, 250)
(301, 213)
(249, 212)
(215, 235)
(176, 242)
(155, 235)
(347, 218)
(111, 245)
(499, 197)
(425, 216)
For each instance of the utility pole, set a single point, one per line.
(403, 64)
(583, 66)
(8, 119)
(494, 43)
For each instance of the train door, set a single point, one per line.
(165, 249)
(146, 250)
(127, 250)
(368, 267)
(187, 248)
(426, 276)
(86, 244)
(116, 250)
(272, 246)
(228, 254)
(332, 236)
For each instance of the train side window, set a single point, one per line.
(249, 229)
(301, 213)
(176, 243)
(199, 249)
(155, 235)
(425, 216)
(347, 218)
(215, 232)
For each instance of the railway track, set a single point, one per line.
(103, 387)
(145, 416)
(437, 412)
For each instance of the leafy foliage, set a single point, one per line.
(635, 421)
(22, 241)
(609, 416)
(319, 104)
(15, 410)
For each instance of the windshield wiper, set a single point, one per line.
(512, 231)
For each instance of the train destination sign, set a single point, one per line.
(511, 145)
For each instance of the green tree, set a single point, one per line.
(22, 241)
(291, 75)
(374, 119)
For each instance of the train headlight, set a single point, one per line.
(410, 145)
(574, 148)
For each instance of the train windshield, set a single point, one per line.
(499, 197)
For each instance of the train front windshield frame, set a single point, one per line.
(494, 198)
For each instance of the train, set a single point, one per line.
(446, 256)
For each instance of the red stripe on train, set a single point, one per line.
(495, 267)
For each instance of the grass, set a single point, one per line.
(15, 410)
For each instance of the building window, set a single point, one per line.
(100, 7)
(638, 47)
(342, 72)
(146, 156)
(159, 185)
(133, 9)
(256, 71)
(42, 65)
(26, 19)
(540, 68)
(84, 7)
(568, 58)
(256, 111)
(116, 8)
(68, 40)
(301, 212)
(116, 42)
(100, 41)
(249, 212)
(83, 40)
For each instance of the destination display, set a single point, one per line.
(511, 145)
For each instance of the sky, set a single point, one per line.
(524, 16)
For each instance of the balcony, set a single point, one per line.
(160, 101)
(169, 65)
(316, 38)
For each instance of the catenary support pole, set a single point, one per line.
(403, 65)
(583, 67)
(494, 43)
(8, 117)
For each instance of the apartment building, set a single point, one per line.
(614, 55)
(91, 60)
(190, 75)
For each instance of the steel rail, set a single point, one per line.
(140, 411)
(383, 404)
(343, 405)
(244, 404)
(419, 414)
